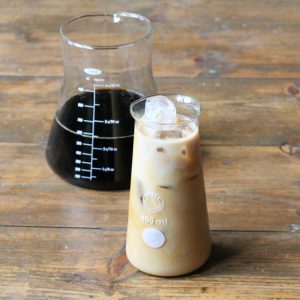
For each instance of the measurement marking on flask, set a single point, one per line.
(83, 132)
(78, 176)
(105, 169)
(107, 149)
(84, 153)
(81, 120)
(86, 105)
(93, 135)
(85, 177)
(89, 146)
(81, 162)
(111, 121)
(79, 143)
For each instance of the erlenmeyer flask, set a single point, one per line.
(168, 228)
(107, 65)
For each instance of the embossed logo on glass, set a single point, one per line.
(152, 202)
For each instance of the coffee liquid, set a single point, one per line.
(168, 231)
(91, 140)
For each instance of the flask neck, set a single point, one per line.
(107, 51)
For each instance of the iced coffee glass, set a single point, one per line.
(168, 230)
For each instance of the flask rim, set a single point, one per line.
(115, 16)
(194, 106)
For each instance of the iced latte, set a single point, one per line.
(168, 231)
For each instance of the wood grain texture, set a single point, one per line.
(235, 111)
(240, 60)
(191, 39)
(248, 188)
(47, 263)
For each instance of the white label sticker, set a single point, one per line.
(153, 237)
(92, 71)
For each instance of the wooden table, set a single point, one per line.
(241, 60)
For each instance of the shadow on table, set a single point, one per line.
(219, 254)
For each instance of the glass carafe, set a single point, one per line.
(107, 65)
(168, 228)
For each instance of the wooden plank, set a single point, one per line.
(163, 11)
(58, 241)
(243, 111)
(212, 39)
(248, 188)
(47, 263)
(27, 109)
(235, 111)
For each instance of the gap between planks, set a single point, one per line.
(123, 229)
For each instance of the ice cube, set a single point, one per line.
(160, 109)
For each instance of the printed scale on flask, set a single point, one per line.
(85, 159)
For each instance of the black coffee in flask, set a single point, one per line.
(107, 66)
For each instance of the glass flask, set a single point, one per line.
(168, 228)
(107, 65)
